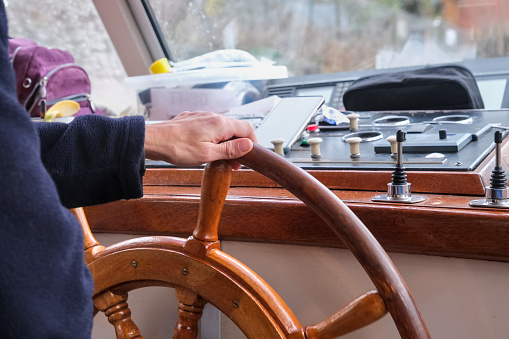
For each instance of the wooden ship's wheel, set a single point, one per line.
(201, 273)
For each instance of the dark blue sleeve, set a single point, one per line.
(94, 159)
(45, 287)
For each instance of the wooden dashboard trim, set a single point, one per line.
(259, 210)
(443, 225)
(425, 182)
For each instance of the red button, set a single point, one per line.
(312, 127)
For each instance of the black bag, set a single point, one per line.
(431, 88)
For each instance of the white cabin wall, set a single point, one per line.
(458, 298)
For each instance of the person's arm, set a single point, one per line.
(45, 286)
(94, 159)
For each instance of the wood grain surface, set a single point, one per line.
(443, 225)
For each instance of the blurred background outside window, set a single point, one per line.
(324, 36)
(306, 36)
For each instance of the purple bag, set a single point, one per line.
(45, 76)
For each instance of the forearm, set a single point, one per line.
(94, 159)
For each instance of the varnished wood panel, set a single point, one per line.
(442, 225)
(257, 209)
(426, 182)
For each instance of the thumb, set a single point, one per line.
(235, 148)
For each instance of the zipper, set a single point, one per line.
(81, 97)
(50, 73)
(41, 88)
(75, 97)
(42, 93)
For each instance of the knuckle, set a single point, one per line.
(230, 150)
(219, 122)
(206, 155)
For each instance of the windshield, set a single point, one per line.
(326, 36)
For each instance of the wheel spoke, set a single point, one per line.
(215, 185)
(359, 313)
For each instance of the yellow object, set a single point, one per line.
(160, 66)
(62, 108)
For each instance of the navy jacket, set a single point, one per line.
(45, 287)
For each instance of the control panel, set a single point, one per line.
(435, 141)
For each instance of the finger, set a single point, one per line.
(232, 149)
(236, 165)
(243, 129)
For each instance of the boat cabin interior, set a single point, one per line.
(374, 204)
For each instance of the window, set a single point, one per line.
(75, 26)
(324, 36)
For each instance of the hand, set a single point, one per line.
(195, 138)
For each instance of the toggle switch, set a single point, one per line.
(399, 190)
(497, 194)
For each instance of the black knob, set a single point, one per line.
(498, 137)
(442, 134)
(400, 136)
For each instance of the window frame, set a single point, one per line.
(132, 34)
